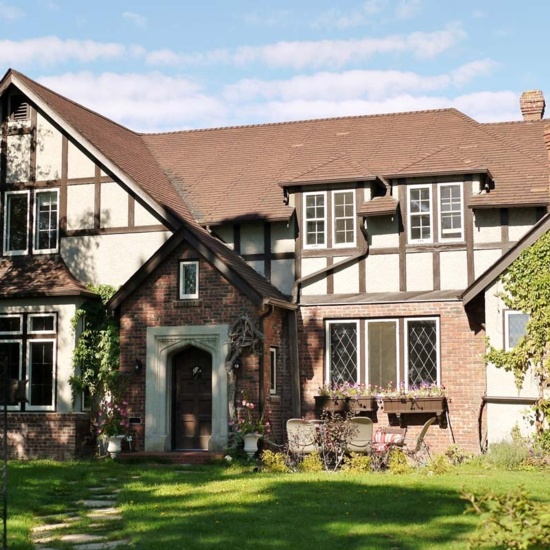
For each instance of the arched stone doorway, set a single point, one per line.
(191, 399)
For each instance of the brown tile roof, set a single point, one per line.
(379, 206)
(382, 297)
(234, 172)
(123, 147)
(38, 276)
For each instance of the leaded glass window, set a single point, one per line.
(515, 324)
(422, 351)
(343, 352)
(189, 280)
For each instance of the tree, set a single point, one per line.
(526, 286)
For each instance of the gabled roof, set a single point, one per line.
(38, 276)
(120, 151)
(379, 206)
(231, 266)
(214, 169)
(499, 267)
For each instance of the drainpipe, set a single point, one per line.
(261, 361)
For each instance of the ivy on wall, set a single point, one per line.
(97, 349)
(526, 286)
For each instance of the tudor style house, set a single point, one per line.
(363, 249)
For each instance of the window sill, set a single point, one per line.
(188, 303)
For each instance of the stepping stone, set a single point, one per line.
(97, 489)
(82, 538)
(102, 545)
(50, 527)
(99, 516)
(98, 503)
(103, 511)
(43, 540)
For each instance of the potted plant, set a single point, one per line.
(249, 427)
(112, 425)
(424, 398)
(346, 397)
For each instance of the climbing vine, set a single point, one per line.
(97, 349)
(526, 286)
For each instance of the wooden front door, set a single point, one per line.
(192, 399)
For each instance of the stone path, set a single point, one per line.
(89, 525)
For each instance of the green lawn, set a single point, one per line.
(222, 507)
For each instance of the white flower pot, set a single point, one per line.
(114, 444)
(251, 443)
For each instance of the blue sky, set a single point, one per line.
(169, 65)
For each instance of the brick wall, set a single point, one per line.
(49, 435)
(156, 304)
(462, 345)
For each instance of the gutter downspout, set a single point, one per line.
(261, 361)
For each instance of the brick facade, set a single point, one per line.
(462, 346)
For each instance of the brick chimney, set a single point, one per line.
(532, 105)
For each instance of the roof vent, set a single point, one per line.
(532, 105)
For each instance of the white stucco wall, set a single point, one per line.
(252, 238)
(484, 259)
(346, 281)
(80, 206)
(502, 417)
(520, 220)
(49, 144)
(114, 205)
(79, 165)
(142, 216)
(18, 158)
(282, 275)
(382, 273)
(311, 265)
(453, 270)
(282, 237)
(420, 274)
(383, 231)
(110, 259)
(258, 266)
(487, 227)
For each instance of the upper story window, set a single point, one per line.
(329, 224)
(189, 280)
(17, 221)
(424, 210)
(451, 225)
(515, 325)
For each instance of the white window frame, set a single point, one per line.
(35, 228)
(306, 219)
(327, 347)
(273, 370)
(395, 321)
(18, 315)
(353, 219)
(51, 407)
(31, 316)
(442, 237)
(182, 294)
(417, 214)
(406, 345)
(7, 223)
(507, 314)
(20, 342)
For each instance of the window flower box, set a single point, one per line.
(343, 405)
(410, 405)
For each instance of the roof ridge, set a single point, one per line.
(76, 104)
(303, 121)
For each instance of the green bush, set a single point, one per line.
(438, 465)
(357, 463)
(457, 456)
(509, 521)
(274, 462)
(311, 463)
(397, 462)
(507, 454)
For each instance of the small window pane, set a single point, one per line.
(343, 352)
(16, 237)
(10, 356)
(516, 327)
(41, 363)
(46, 230)
(10, 324)
(422, 352)
(41, 323)
(189, 279)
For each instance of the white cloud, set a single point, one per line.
(52, 50)
(407, 9)
(323, 53)
(468, 71)
(10, 13)
(143, 102)
(137, 20)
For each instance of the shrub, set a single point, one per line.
(511, 520)
(507, 454)
(457, 456)
(311, 463)
(357, 463)
(397, 462)
(438, 465)
(274, 462)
